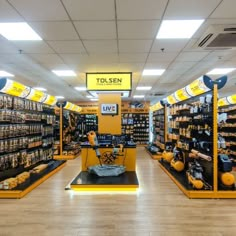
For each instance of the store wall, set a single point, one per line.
(107, 123)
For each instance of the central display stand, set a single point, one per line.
(127, 181)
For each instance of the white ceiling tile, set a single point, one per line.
(191, 56)
(162, 57)
(96, 29)
(101, 46)
(141, 9)
(75, 59)
(182, 66)
(131, 67)
(169, 45)
(90, 9)
(134, 57)
(33, 47)
(138, 29)
(191, 9)
(156, 65)
(43, 10)
(147, 81)
(104, 58)
(67, 46)
(134, 46)
(225, 10)
(60, 30)
(8, 13)
(47, 59)
(7, 47)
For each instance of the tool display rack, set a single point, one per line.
(159, 130)
(26, 141)
(65, 149)
(206, 122)
(87, 122)
(136, 127)
(228, 131)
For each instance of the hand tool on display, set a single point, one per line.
(196, 154)
(93, 141)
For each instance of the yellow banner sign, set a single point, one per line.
(108, 81)
(50, 100)
(197, 87)
(171, 99)
(36, 95)
(72, 107)
(156, 107)
(223, 102)
(232, 99)
(13, 88)
(181, 94)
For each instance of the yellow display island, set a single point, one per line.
(108, 159)
(127, 181)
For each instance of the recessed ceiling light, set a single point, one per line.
(94, 99)
(59, 97)
(153, 72)
(81, 88)
(40, 89)
(5, 73)
(138, 96)
(89, 96)
(143, 88)
(220, 71)
(64, 72)
(179, 29)
(18, 31)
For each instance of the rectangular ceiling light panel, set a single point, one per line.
(18, 31)
(220, 71)
(153, 72)
(178, 29)
(64, 72)
(5, 73)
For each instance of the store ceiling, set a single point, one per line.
(113, 36)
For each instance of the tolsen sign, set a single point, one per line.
(109, 109)
(108, 81)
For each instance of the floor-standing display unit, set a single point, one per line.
(108, 158)
(159, 130)
(26, 138)
(198, 167)
(68, 146)
(136, 127)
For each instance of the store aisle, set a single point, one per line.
(159, 208)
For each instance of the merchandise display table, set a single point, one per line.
(127, 181)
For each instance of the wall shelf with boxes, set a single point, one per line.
(67, 144)
(26, 140)
(159, 131)
(196, 163)
(136, 127)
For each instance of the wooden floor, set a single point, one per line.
(159, 208)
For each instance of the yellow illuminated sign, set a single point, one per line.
(37, 96)
(230, 100)
(13, 88)
(181, 94)
(50, 100)
(72, 107)
(171, 99)
(197, 87)
(108, 81)
(156, 107)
